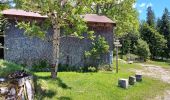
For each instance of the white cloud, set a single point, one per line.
(142, 5)
(149, 5)
(134, 5)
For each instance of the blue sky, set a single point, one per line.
(157, 5)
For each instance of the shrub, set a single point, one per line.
(105, 68)
(92, 69)
(131, 57)
(142, 49)
(41, 66)
(99, 47)
(65, 67)
(8, 67)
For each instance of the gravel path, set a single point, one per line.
(156, 72)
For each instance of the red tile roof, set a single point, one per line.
(87, 17)
(97, 18)
(23, 13)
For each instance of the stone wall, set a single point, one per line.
(24, 50)
(17, 89)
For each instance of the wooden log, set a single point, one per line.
(138, 77)
(29, 90)
(132, 80)
(123, 83)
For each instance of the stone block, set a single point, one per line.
(138, 77)
(3, 90)
(123, 83)
(132, 80)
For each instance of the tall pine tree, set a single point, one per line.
(150, 17)
(156, 41)
(165, 29)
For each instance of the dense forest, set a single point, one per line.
(153, 38)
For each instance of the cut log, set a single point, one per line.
(123, 83)
(132, 80)
(138, 77)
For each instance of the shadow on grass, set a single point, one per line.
(60, 83)
(43, 93)
(64, 98)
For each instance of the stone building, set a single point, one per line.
(24, 50)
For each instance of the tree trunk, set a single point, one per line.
(56, 44)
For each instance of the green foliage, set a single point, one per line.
(120, 11)
(154, 39)
(92, 69)
(128, 42)
(99, 47)
(165, 23)
(31, 29)
(7, 68)
(150, 17)
(4, 5)
(131, 57)
(67, 68)
(163, 26)
(142, 49)
(41, 66)
(105, 67)
(3, 24)
(67, 16)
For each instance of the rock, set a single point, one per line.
(123, 83)
(17, 88)
(2, 80)
(3, 90)
(12, 91)
(132, 80)
(11, 98)
(21, 82)
(138, 77)
(130, 62)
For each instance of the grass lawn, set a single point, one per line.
(96, 86)
(163, 63)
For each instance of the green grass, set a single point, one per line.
(96, 86)
(90, 86)
(163, 63)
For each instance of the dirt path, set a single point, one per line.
(157, 72)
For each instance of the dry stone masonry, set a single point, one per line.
(28, 51)
(17, 87)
